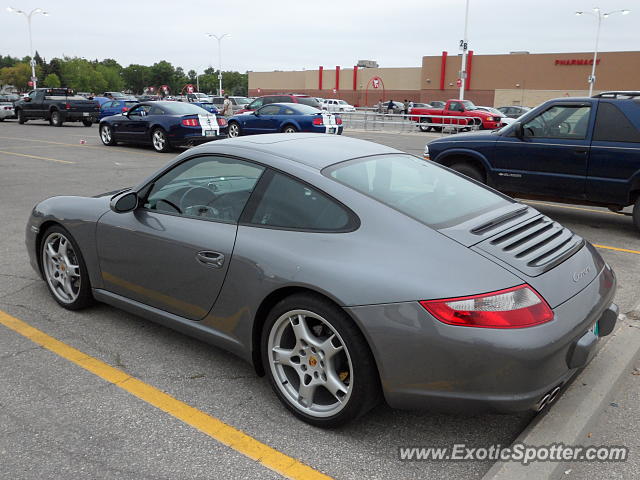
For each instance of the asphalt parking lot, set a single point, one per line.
(56, 416)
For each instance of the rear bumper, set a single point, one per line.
(192, 140)
(79, 116)
(426, 364)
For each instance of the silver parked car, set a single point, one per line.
(344, 270)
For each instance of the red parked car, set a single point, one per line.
(280, 98)
(456, 108)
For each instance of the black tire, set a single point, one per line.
(2, 119)
(56, 118)
(636, 213)
(469, 171)
(364, 391)
(87, 122)
(289, 129)
(84, 296)
(106, 134)
(425, 128)
(160, 145)
(234, 130)
(21, 119)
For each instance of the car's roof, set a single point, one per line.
(315, 150)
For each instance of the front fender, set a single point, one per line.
(79, 216)
(446, 157)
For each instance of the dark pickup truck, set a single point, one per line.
(572, 150)
(58, 105)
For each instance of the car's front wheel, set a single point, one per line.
(234, 129)
(106, 135)
(160, 141)
(64, 269)
(318, 362)
(469, 171)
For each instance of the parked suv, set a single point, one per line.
(281, 98)
(573, 150)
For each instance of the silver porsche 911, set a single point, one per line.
(344, 270)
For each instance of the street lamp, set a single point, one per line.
(35, 11)
(219, 39)
(463, 46)
(599, 14)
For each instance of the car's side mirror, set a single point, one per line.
(124, 202)
(518, 130)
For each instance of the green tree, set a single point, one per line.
(136, 77)
(18, 76)
(52, 81)
(162, 73)
(112, 77)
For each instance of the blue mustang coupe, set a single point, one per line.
(115, 107)
(285, 118)
(164, 125)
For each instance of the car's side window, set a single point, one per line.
(208, 187)
(257, 103)
(155, 110)
(288, 111)
(107, 105)
(139, 111)
(292, 204)
(269, 110)
(456, 107)
(612, 125)
(560, 121)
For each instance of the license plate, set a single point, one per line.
(594, 329)
(85, 114)
(332, 130)
(209, 133)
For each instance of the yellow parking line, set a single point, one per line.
(617, 249)
(532, 202)
(79, 145)
(35, 156)
(239, 441)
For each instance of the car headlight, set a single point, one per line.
(426, 152)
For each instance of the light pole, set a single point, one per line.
(464, 46)
(219, 39)
(599, 14)
(28, 16)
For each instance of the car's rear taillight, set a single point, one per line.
(190, 122)
(318, 121)
(516, 307)
(125, 109)
(67, 106)
(222, 122)
(338, 121)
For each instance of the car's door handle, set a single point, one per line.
(213, 259)
(581, 150)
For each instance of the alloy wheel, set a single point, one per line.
(310, 363)
(61, 267)
(105, 134)
(159, 140)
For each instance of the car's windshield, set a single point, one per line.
(468, 105)
(242, 101)
(178, 108)
(342, 102)
(420, 189)
(117, 95)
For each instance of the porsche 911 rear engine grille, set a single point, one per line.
(534, 246)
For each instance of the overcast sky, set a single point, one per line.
(292, 35)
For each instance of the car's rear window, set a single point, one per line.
(179, 108)
(312, 102)
(422, 190)
(306, 109)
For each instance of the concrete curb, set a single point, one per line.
(575, 412)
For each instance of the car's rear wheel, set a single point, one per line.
(289, 129)
(160, 141)
(56, 118)
(636, 213)
(234, 129)
(87, 122)
(21, 119)
(106, 135)
(425, 127)
(64, 269)
(318, 362)
(469, 171)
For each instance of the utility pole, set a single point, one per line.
(464, 47)
(28, 16)
(219, 39)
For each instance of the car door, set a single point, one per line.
(107, 110)
(173, 251)
(267, 120)
(552, 156)
(31, 107)
(133, 125)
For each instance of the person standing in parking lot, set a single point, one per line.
(406, 107)
(227, 107)
(390, 106)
